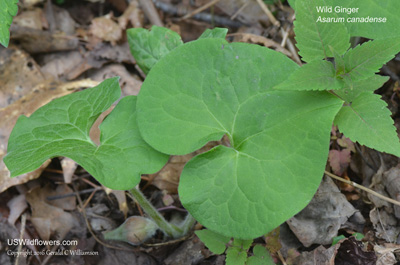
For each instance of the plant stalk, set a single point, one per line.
(169, 229)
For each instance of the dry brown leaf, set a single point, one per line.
(319, 256)
(65, 203)
(346, 143)
(62, 63)
(106, 29)
(14, 86)
(30, 3)
(48, 220)
(132, 14)
(17, 206)
(130, 84)
(31, 19)
(121, 198)
(167, 178)
(247, 12)
(385, 254)
(339, 160)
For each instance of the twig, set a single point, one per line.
(202, 8)
(170, 9)
(362, 188)
(266, 10)
(151, 12)
(281, 257)
(72, 194)
(291, 47)
(21, 235)
(240, 10)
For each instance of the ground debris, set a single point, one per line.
(320, 221)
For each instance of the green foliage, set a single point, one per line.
(236, 250)
(316, 75)
(237, 253)
(215, 242)
(61, 128)
(367, 120)
(214, 33)
(8, 9)
(260, 257)
(208, 88)
(366, 8)
(353, 90)
(358, 236)
(374, 8)
(278, 128)
(314, 38)
(148, 47)
(364, 117)
(336, 239)
(365, 60)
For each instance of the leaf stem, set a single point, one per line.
(167, 228)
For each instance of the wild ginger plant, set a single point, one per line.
(276, 114)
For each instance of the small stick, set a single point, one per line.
(21, 236)
(151, 12)
(198, 10)
(362, 188)
(266, 10)
(240, 10)
(291, 48)
(281, 257)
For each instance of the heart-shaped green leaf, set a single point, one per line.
(61, 128)
(208, 88)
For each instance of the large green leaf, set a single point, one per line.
(8, 9)
(279, 139)
(61, 128)
(316, 75)
(367, 120)
(313, 37)
(147, 47)
(366, 59)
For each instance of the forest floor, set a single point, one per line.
(59, 47)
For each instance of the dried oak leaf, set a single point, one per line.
(106, 29)
(48, 220)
